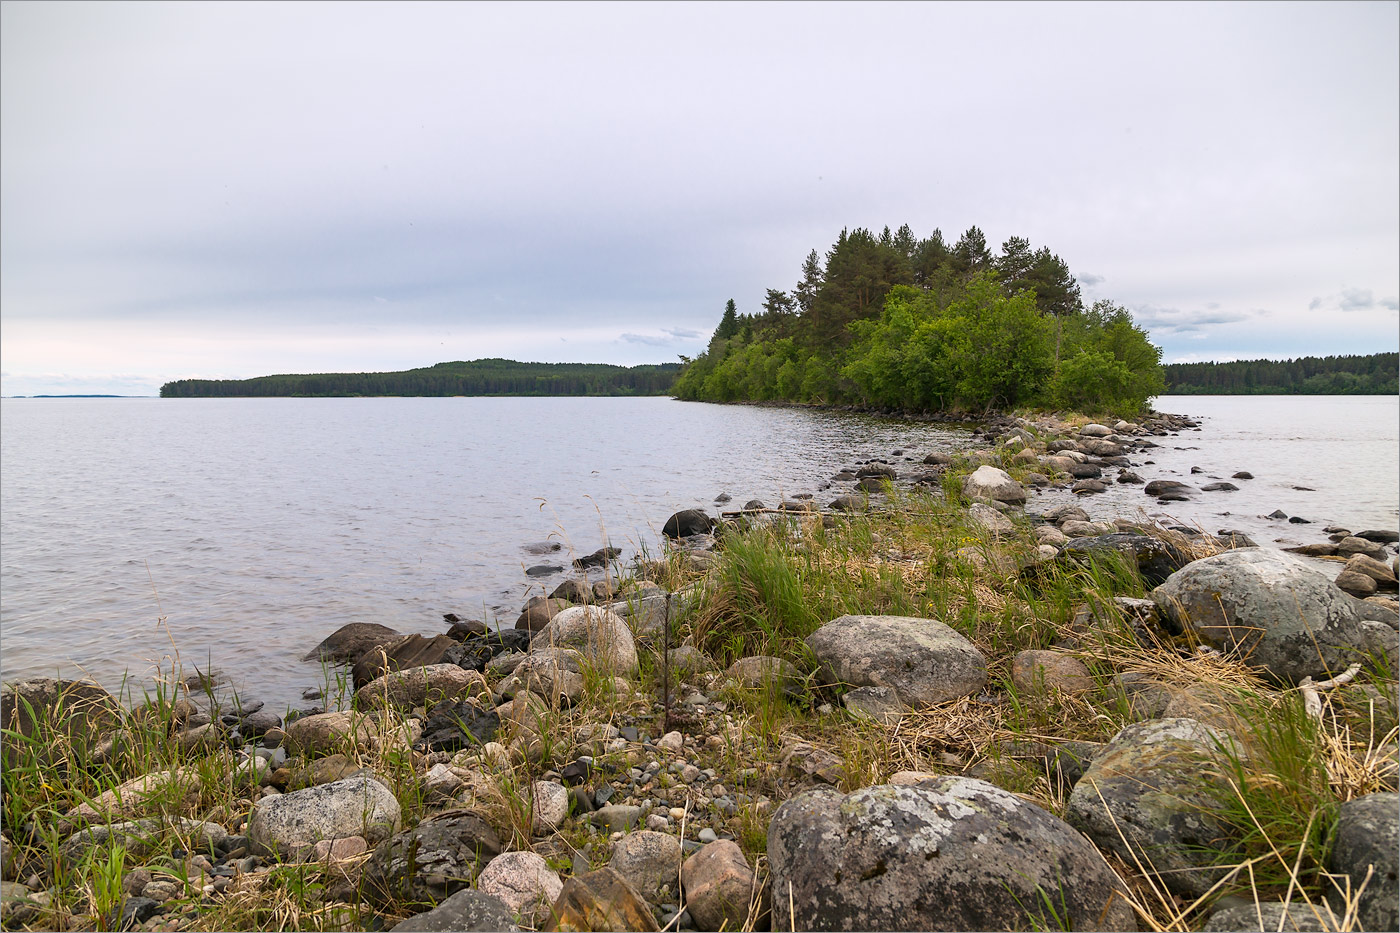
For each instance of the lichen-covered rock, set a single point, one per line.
(1283, 617)
(1155, 560)
(990, 520)
(549, 807)
(433, 860)
(988, 482)
(600, 635)
(524, 882)
(290, 825)
(761, 671)
(647, 860)
(922, 660)
(158, 791)
(1368, 838)
(1268, 917)
(1148, 798)
(1034, 671)
(954, 853)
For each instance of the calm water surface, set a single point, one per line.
(254, 527)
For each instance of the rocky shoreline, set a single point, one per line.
(1052, 739)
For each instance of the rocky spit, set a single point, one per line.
(529, 815)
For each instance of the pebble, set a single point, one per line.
(707, 835)
(677, 813)
(658, 822)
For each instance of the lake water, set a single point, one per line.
(254, 527)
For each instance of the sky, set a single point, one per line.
(206, 190)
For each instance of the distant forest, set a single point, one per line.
(1376, 374)
(474, 377)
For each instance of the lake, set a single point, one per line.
(254, 527)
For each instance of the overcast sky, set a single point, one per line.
(223, 191)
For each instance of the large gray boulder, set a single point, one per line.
(647, 860)
(1148, 798)
(524, 882)
(1286, 619)
(599, 634)
(988, 482)
(923, 660)
(1368, 838)
(290, 825)
(951, 853)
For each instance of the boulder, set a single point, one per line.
(290, 825)
(923, 660)
(1129, 477)
(549, 808)
(879, 703)
(1065, 513)
(73, 719)
(599, 558)
(989, 520)
(1093, 429)
(952, 853)
(1380, 535)
(1368, 838)
(600, 635)
(848, 504)
(719, 886)
(326, 733)
(457, 724)
(601, 900)
(647, 860)
(1357, 584)
(348, 644)
(1220, 487)
(524, 882)
(1100, 447)
(988, 482)
(1035, 671)
(761, 671)
(1073, 529)
(1150, 798)
(420, 686)
(466, 911)
(157, 791)
(877, 469)
(1160, 486)
(408, 652)
(554, 674)
(573, 591)
(1154, 559)
(433, 860)
(1354, 544)
(1375, 569)
(1267, 917)
(1285, 618)
(536, 615)
(689, 522)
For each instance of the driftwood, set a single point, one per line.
(1312, 692)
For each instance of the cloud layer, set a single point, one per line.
(192, 190)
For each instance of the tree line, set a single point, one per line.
(1373, 374)
(898, 322)
(474, 377)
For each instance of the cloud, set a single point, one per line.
(1354, 299)
(682, 333)
(1089, 280)
(1177, 321)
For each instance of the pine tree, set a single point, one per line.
(812, 277)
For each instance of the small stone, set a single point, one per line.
(671, 742)
(707, 835)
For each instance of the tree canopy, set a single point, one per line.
(896, 322)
